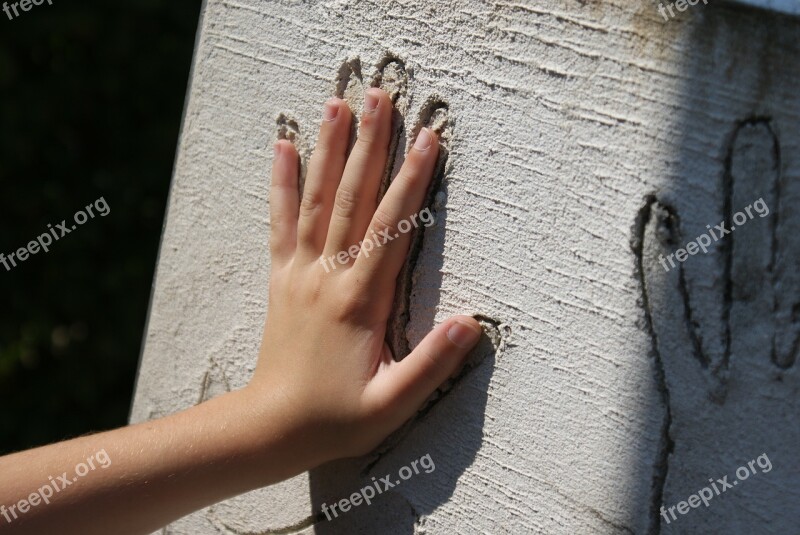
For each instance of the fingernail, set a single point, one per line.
(462, 335)
(423, 141)
(371, 100)
(331, 109)
(277, 148)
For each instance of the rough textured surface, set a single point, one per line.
(586, 138)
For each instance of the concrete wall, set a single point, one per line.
(586, 139)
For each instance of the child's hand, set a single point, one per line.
(323, 357)
(326, 385)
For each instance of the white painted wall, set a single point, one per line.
(568, 115)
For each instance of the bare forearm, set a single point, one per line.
(326, 385)
(137, 479)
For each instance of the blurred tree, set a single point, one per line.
(91, 97)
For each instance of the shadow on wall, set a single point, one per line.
(425, 462)
(427, 456)
(725, 323)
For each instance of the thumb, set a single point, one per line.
(410, 382)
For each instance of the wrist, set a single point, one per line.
(272, 439)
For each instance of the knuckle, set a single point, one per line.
(280, 222)
(314, 291)
(432, 362)
(351, 304)
(412, 174)
(277, 228)
(299, 287)
(382, 221)
(325, 154)
(311, 202)
(363, 151)
(373, 130)
(346, 201)
(434, 368)
(276, 246)
(367, 130)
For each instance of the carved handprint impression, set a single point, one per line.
(725, 332)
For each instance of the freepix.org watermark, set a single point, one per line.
(703, 241)
(44, 241)
(680, 5)
(705, 495)
(378, 239)
(54, 486)
(24, 5)
(366, 494)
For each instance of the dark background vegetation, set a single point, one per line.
(91, 97)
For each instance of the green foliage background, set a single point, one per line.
(91, 97)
